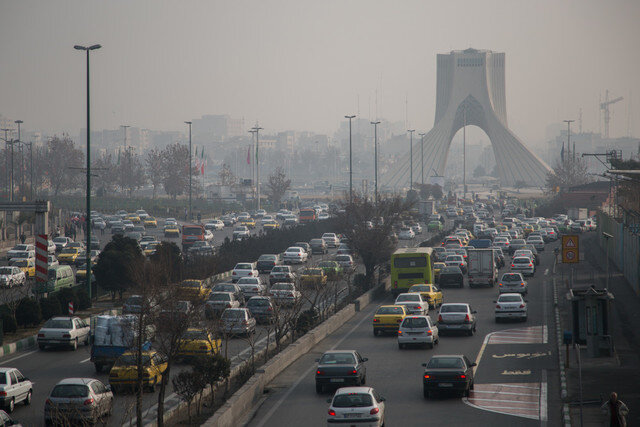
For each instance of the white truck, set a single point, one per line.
(426, 208)
(481, 264)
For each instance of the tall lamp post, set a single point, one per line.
(124, 128)
(568, 122)
(88, 49)
(422, 135)
(607, 236)
(375, 159)
(19, 141)
(411, 131)
(6, 150)
(190, 171)
(350, 162)
(257, 130)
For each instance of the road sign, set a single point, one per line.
(570, 249)
(42, 259)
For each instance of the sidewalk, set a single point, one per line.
(601, 376)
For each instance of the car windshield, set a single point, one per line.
(510, 298)
(192, 231)
(454, 258)
(415, 322)
(70, 390)
(244, 267)
(352, 400)
(390, 310)
(338, 359)
(130, 360)
(58, 324)
(453, 308)
(445, 363)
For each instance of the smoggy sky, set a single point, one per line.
(303, 65)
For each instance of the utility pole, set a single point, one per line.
(375, 158)
(88, 215)
(568, 122)
(190, 172)
(422, 135)
(18, 122)
(124, 128)
(350, 162)
(257, 130)
(6, 151)
(464, 153)
(411, 131)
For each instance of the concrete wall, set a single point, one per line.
(623, 248)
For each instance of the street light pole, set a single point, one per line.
(375, 160)
(568, 122)
(124, 128)
(190, 171)
(607, 236)
(88, 216)
(257, 130)
(422, 135)
(411, 131)
(19, 141)
(6, 151)
(350, 161)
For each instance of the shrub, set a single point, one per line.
(306, 321)
(82, 299)
(50, 307)
(8, 323)
(28, 312)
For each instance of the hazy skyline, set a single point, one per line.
(303, 65)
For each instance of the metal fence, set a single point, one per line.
(623, 248)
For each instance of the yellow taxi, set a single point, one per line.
(437, 266)
(197, 343)
(429, 293)
(28, 265)
(69, 255)
(171, 231)
(463, 239)
(124, 373)
(249, 223)
(313, 277)
(150, 222)
(151, 248)
(81, 271)
(271, 225)
(193, 290)
(388, 318)
(502, 228)
(134, 218)
(527, 228)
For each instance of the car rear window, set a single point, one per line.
(352, 400)
(338, 359)
(233, 314)
(445, 363)
(453, 308)
(390, 310)
(244, 267)
(510, 298)
(521, 261)
(511, 278)
(409, 297)
(282, 287)
(70, 390)
(220, 297)
(415, 322)
(257, 302)
(58, 324)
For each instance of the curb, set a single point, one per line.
(566, 416)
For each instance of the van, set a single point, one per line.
(58, 277)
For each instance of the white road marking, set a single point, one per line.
(499, 400)
(506, 392)
(19, 357)
(543, 397)
(301, 377)
(85, 360)
(546, 272)
(480, 353)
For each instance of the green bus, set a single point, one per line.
(408, 267)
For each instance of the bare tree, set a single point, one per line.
(567, 173)
(153, 163)
(277, 185)
(187, 385)
(130, 171)
(226, 175)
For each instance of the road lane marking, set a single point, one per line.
(543, 397)
(526, 335)
(85, 360)
(503, 400)
(304, 374)
(19, 357)
(506, 392)
(546, 272)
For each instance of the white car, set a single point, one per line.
(414, 303)
(14, 388)
(406, 233)
(295, 255)
(241, 232)
(331, 240)
(536, 241)
(524, 265)
(11, 276)
(52, 261)
(345, 261)
(51, 247)
(18, 249)
(208, 236)
(512, 282)
(219, 301)
(214, 225)
(456, 261)
(416, 228)
(511, 306)
(237, 321)
(285, 293)
(357, 403)
(418, 330)
(142, 214)
(243, 269)
(251, 286)
(63, 331)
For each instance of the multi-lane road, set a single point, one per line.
(516, 377)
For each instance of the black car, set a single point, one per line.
(229, 287)
(451, 276)
(261, 307)
(339, 368)
(447, 373)
(266, 263)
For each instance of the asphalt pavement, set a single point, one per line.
(516, 378)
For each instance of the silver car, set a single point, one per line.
(14, 388)
(457, 317)
(417, 330)
(236, 321)
(524, 265)
(414, 303)
(512, 282)
(78, 399)
(510, 306)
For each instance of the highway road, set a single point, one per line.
(516, 378)
(46, 368)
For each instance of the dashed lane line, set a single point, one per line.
(19, 357)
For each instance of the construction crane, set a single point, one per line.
(604, 106)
